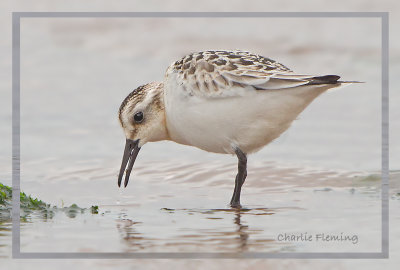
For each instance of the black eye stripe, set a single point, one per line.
(138, 117)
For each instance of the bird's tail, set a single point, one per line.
(350, 82)
(328, 79)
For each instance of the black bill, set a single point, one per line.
(130, 153)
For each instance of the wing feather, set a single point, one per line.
(228, 73)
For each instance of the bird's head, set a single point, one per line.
(142, 118)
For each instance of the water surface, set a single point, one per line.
(184, 208)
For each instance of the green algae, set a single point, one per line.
(30, 206)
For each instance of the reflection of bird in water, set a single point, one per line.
(228, 238)
(132, 237)
(241, 231)
(229, 102)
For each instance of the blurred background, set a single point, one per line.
(76, 72)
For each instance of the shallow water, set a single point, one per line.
(184, 208)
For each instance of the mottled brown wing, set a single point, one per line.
(231, 73)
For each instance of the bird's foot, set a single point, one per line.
(236, 205)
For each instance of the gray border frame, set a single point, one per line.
(16, 252)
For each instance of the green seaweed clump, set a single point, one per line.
(5, 194)
(94, 209)
(28, 205)
(5, 202)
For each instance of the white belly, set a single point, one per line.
(249, 121)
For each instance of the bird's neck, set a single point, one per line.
(161, 132)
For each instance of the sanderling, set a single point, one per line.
(230, 102)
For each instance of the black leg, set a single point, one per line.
(240, 178)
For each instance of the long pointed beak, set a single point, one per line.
(130, 153)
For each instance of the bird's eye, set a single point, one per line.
(138, 117)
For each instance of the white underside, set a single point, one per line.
(248, 121)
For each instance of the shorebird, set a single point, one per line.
(229, 102)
